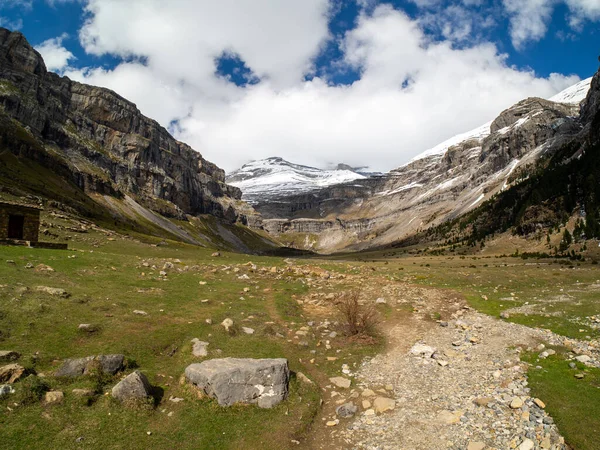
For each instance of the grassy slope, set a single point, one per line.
(105, 279)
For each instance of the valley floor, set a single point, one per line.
(484, 383)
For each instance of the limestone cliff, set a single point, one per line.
(102, 142)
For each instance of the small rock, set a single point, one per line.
(583, 359)
(43, 268)
(346, 410)
(216, 254)
(87, 327)
(138, 312)
(199, 348)
(55, 292)
(133, 387)
(227, 324)
(11, 373)
(341, 382)
(579, 376)
(422, 350)
(484, 401)
(527, 444)
(539, 403)
(54, 397)
(383, 404)
(248, 330)
(381, 301)
(303, 378)
(332, 423)
(368, 393)
(449, 417)
(6, 389)
(366, 404)
(83, 392)
(9, 355)
(516, 403)
(475, 446)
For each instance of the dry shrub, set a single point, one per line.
(357, 318)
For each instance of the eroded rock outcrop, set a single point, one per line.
(102, 142)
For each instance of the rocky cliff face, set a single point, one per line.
(102, 141)
(439, 185)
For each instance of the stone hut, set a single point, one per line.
(19, 222)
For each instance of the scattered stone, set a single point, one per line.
(133, 387)
(579, 376)
(475, 446)
(368, 393)
(539, 403)
(346, 410)
(366, 404)
(199, 348)
(583, 359)
(227, 324)
(55, 292)
(216, 254)
(232, 380)
(485, 401)
(332, 423)
(83, 392)
(54, 398)
(341, 382)
(248, 330)
(449, 417)
(527, 444)
(383, 404)
(303, 378)
(44, 268)
(422, 350)
(6, 389)
(76, 367)
(9, 355)
(87, 327)
(11, 373)
(516, 403)
(138, 312)
(381, 301)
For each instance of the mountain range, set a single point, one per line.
(88, 152)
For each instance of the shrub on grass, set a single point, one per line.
(356, 317)
(31, 390)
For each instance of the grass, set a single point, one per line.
(574, 404)
(107, 280)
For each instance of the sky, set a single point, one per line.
(318, 82)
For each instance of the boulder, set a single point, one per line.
(77, 367)
(11, 373)
(9, 355)
(232, 380)
(133, 387)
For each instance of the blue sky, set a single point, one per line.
(277, 60)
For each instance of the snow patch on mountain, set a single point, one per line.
(575, 94)
(276, 177)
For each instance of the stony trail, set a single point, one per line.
(457, 384)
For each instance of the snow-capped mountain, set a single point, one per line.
(276, 177)
(443, 182)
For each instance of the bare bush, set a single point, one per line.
(357, 318)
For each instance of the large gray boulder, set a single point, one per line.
(231, 380)
(134, 387)
(77, 367)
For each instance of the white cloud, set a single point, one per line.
(529, 19)
(413, 92)
(11, 24)
(55, 55)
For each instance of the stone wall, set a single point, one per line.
(31, 225)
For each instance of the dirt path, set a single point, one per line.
(470, 393)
